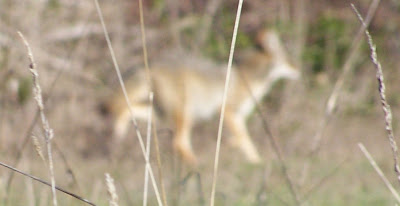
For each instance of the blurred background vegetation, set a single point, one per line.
(76, 74)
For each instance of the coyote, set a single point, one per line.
(189, 88)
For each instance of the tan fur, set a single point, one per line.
(190, 88)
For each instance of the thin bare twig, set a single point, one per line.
(273, 141)
(331, 104)
(143, 31)
(197, 177)
(301, 25)
(204, 29)
(48, 184)
(173, 10)
(134, 122)
(263, 194)
(324, 179)
(379, 171)
(225, 95)
(332, 100)
(48, 132)
(159, 165)
(381, 88)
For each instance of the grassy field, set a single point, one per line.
(320, 162)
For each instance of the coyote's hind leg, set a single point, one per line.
(182, 138)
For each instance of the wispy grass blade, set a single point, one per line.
(48, 132)
(148, 140)
(379, 171)
(112, 192)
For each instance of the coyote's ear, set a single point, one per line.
(269, 40)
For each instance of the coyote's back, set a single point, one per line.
(189, 88)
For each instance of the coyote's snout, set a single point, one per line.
(190, 88)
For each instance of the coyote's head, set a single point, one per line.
(271, 44)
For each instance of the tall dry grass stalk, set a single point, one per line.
(112, 192)
(122, 84)
(379, 171)
(225, 96)
(28, 132)
(48, 132)
(381, 88)
(148, 140)
(143, 32)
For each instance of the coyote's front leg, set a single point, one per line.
(241, 137)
